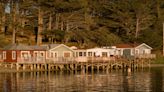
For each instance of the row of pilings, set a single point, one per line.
(77, 66)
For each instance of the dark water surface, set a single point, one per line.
(144, 80)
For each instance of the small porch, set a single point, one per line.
(32, 57)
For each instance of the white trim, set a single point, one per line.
(13, 55)
(67, 52)
(145, 45)
(4, 55)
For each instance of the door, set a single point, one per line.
(126, 53)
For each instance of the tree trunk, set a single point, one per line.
(50, 22)
(13, 24)
(67, 26)
(137, 28)
(57, 21)
(67, 36)
(158, 9)
(62, 26)
(14, 36)
(2, 19)
(86, 20)
(3, 23)
(40, 26)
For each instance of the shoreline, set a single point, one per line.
(156, 65)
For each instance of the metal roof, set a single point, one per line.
(17, 47)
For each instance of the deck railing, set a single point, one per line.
(75, 59)
(61, 60)
(31, 60)
(150, 56)
(64, 60)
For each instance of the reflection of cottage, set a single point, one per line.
(138, 51)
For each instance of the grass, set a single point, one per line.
(158, 60)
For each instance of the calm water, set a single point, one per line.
(114, 81)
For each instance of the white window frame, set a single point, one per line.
(43, 52)
(35, 52)
(13, 55)
(81, 54)
(137, 52)
(28, 52)
(52, 54)
(4, 55)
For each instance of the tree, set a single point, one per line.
(130, 16)
(2, 17)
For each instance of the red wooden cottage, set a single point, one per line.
(22, 53)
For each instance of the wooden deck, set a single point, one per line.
(77, 66)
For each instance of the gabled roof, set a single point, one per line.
(17, 47)
(131, 45)
(54, 46)
(50, 46)
(144, 45)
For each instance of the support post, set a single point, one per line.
(163, 38)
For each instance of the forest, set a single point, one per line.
(83, 23)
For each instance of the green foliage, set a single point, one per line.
(86, 22)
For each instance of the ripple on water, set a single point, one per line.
(115, 81)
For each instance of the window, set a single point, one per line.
(67, 54)
(80, 54)
(53, 54)
(26, 55)
(84, 53)
(104, 54)
(144, 52)
(89, 54)
(13, 55)
(41, 54)
(4, 54)
(137, 52)
(94, 54)
(35, 54)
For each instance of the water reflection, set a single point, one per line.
(157, 79)
(114, 81)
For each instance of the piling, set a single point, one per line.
(80, 66)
